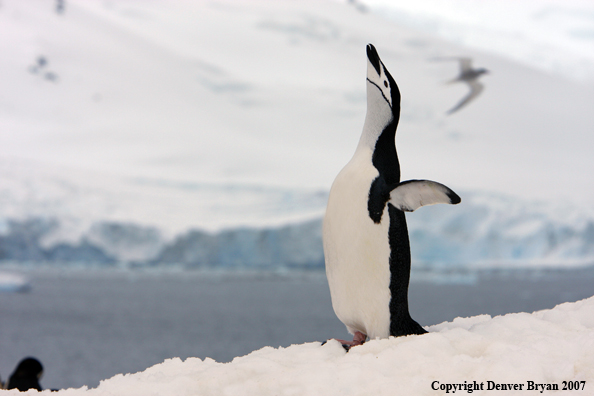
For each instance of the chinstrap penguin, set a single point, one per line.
(365, 237)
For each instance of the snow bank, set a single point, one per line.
(547, 347)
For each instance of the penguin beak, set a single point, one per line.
(373, 58)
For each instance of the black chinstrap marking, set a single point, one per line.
(382, 92)
(394, 92)
(377, 64)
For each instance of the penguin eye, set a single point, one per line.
(385, 84)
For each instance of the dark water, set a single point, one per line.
(88, 326)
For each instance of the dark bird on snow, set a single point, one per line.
(469, 76)
(26, 376)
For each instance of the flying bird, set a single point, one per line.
(469, 76)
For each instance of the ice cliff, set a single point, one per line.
(485, 230)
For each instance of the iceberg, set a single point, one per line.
(13, 283)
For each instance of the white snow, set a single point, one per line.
(168, 117)
(546, 347)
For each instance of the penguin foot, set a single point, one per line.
(358, 339)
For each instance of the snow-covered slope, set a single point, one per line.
(550, 348)
(130, 129)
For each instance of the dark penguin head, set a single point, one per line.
(383, 99)
(26, 375)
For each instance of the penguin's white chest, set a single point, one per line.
(357, 251)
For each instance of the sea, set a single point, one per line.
(89, 325)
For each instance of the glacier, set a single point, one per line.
(487, 231)
(129, 156)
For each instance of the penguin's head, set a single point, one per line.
(383, 101)
(29, 368)
(381, 87)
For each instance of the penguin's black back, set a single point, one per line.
(385, 160)
(400, 321)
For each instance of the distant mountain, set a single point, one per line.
(484, 232)
(208, 134)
